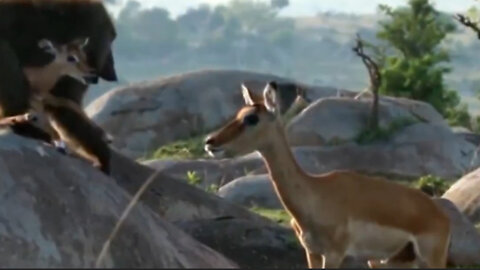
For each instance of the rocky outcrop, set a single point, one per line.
(339, 120)
(172, 198)
(144, 116)
(465, 194)
(464, 247)
(250, 191)
(57, 211)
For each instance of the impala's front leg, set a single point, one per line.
(332, 260)
(298, 232)
(315, 261)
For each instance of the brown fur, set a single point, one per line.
(334, 213)
(59, 21)
(42, 79)
(83, 136)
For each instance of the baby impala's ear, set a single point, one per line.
(270, 98)
(80, 42)
(247, 95)
(47, 46)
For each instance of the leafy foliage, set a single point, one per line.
(459, 117)
(416, 63)
(432, 185)
(193, 178)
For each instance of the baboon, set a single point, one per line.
(289, 94)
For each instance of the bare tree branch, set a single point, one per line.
(375, 79)
(468, 23)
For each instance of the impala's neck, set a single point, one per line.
(290, 182)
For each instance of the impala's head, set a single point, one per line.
(68, 59)
(253, 126)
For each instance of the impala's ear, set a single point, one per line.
(81, 42)
(270, 99)
(47, 46)
(247, 95)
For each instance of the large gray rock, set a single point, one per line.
(465, 194)
(335, 120)
(464, 247)
(57, 211)
(144, 116)
(172, 198)
(250, 191)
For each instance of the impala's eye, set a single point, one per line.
(72, 59)
(250, 120)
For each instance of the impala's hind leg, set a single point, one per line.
(404, 258)
(432, 250)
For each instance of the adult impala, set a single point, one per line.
(342, 212)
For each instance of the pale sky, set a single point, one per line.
(311, 7)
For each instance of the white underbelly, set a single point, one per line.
(372, 241)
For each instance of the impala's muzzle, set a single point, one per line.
(211, 149)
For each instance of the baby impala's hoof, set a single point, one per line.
(61, 150)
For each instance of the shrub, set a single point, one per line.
(432, 185)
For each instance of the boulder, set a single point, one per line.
(253, 246)
(172, 198)
(144, 116)
(465, 194)
(57, 211)
(250, 191)
(334, 120)
(464, 247)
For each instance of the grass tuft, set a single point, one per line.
(277, 215)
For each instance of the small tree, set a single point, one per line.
(375, 81)
(468, 23)
(415, 68)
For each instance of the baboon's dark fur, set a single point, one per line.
(23, 23)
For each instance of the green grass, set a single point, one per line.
(277, 215)
(195, 180)
(183, 149)
(384, 133)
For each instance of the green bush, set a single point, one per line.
(460, 117)
(432, 185)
